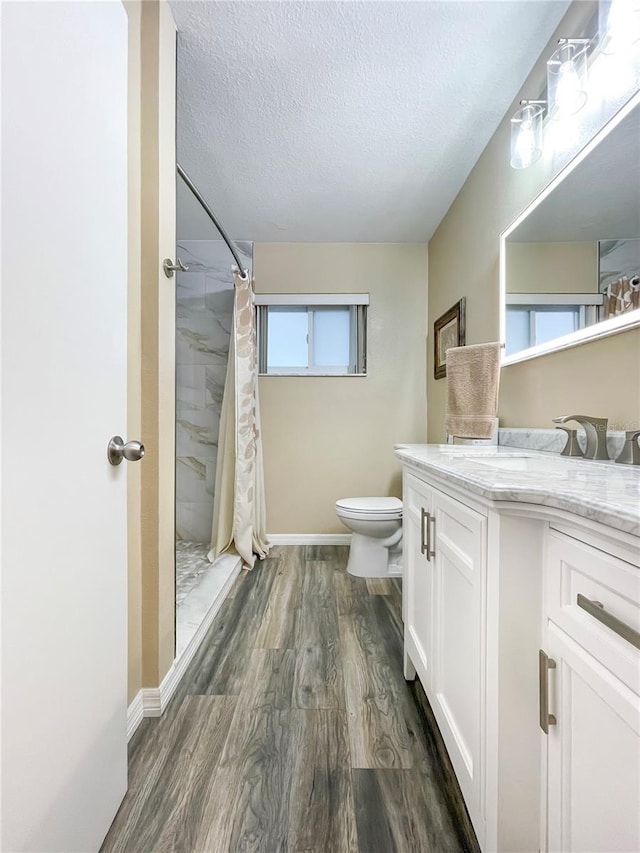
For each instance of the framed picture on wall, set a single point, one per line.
(448, 331)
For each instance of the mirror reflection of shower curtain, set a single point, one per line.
(239, 511)
(621, 296)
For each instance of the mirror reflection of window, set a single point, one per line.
(554, 324)
(529, 325)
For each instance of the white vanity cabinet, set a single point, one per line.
(453, 549)
(506, 609)
(590, 697)
(417, 597)
(444, 619)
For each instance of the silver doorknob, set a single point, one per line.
(117, 450)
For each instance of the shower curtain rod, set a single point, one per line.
(244, 274)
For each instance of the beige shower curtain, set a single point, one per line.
(239, 513)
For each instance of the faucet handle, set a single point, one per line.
(630, 453)
(571, 448)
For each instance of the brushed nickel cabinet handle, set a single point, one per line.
(544, 665)
(427, 547)
(596, 609)
(423, 515)
(431, 520)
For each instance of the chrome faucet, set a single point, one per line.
(596, 431)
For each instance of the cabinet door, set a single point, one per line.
(457, 686)
(593, 792)
(418, 577)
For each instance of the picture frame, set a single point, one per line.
(448, 331)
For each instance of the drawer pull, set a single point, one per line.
(544, 665)
(596, 609)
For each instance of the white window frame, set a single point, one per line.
(313, 303)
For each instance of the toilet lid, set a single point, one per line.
(393, 506)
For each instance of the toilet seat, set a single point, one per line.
(377, 509)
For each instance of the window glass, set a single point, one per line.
(287, 344)
(553, 324)
(529, 325)
(331, 331)
(518, 327)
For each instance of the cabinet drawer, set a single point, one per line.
(576, 576)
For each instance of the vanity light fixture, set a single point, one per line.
(526, 134)
(567, 78)
(619, 25)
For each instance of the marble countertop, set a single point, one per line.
(603, 492)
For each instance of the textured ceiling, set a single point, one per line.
(348, 121)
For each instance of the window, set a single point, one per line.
(312, 334)
(528, 325)
(536, 318)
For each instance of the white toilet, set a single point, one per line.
(376, 543)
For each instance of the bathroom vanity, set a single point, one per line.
(521, 607)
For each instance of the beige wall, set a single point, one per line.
(464, 261)
(331, 437)
(552, 267)
(151, 397)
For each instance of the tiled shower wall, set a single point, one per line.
(204, 311)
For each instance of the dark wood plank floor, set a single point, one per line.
(294, 731)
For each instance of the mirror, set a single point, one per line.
(570, 264)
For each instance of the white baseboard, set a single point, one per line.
(135, 713)
(152, 701)
(309, 538)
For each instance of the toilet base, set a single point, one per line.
(368, 558)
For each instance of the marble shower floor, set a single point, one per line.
(191, 567)
(200, 588)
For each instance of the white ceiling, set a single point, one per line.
(344, 121)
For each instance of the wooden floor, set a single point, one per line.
(294, 729)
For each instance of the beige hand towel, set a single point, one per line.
(473, 378)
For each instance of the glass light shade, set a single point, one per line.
(567, 80)
(526, 136)
(618, 25)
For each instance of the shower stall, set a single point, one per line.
(204, 311)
